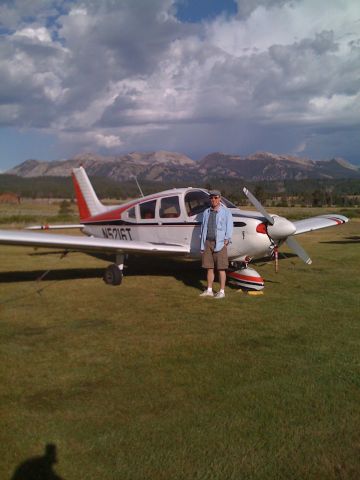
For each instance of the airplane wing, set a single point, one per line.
(87, 244)
(321, 221)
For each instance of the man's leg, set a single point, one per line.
(222, 279)
(208, 263)
(210, 277)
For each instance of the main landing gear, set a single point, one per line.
(113, 274)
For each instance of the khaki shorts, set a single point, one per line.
(211, 259)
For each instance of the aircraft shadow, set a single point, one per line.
(265, 260)
(347, 240)
(190, 273)
(53, 275)
(42, 254)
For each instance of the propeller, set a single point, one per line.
(297, 248)
(279, 230)
(258, 206)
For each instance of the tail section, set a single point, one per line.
(88, 203)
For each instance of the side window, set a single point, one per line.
(196, 202)
(131, 213)
(147, 209)
(170, 207)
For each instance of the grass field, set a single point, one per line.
(147, 381)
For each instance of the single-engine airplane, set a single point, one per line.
(168, 224)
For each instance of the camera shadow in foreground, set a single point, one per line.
(40, 467)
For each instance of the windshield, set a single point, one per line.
(197, 201)
(227, 203)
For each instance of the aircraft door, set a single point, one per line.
(173, 229)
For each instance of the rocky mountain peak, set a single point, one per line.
(171, 166)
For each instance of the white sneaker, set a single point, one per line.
(206, 293)
(219, 295)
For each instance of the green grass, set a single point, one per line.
(30, 212)
(147, 381)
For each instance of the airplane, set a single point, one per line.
(167, 224)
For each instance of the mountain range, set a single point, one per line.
(164, 166)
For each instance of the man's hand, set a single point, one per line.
(226, 243)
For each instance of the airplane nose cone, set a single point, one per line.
(282, 228)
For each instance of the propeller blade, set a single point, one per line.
(258, 205)
(297, 248)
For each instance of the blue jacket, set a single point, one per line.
(224, 227)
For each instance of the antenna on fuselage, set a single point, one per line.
(137, 183)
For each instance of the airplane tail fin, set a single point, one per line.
(87, 200)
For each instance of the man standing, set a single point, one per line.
(215, 236)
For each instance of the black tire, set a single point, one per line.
(113, 275)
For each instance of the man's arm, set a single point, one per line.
(202, 227)
(229, 227)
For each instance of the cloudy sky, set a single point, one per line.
(193, 76)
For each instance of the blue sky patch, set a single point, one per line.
(194, 11)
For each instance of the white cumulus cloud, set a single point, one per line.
(280, 75)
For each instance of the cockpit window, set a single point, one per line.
(170, 207)
(196, 202)
(147, 209)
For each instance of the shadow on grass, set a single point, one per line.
(266, 260)
(351, 240)
(39, 468)
(53, 275)
(187, 272)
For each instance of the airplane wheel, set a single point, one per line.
(113, 275)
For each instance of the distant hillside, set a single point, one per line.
(174, 167)
(62, 187)
(154, 166)
(267, 166)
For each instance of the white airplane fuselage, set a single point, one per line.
(129, 222)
